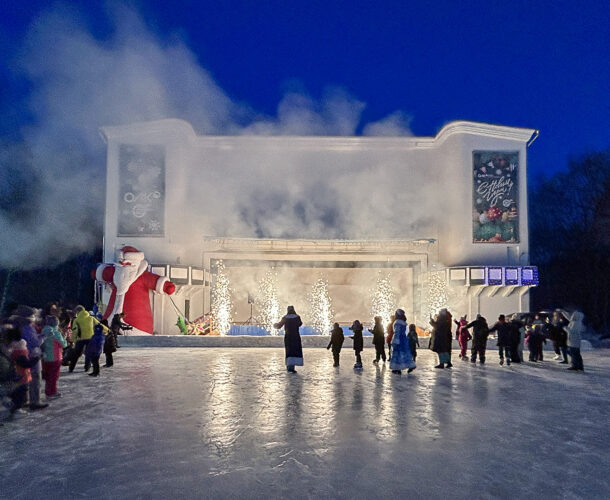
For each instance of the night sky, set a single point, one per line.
(535, 64)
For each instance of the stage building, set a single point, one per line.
(443, 220)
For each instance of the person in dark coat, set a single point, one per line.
(110, 345)
(480, 332)
(559, 336)
(505, 338)
(95, 347)
(358, 342)
(336, 342)
(413, 340)
(390, 330)
(516, 328)
(117, 325)
(292, 339)
(534, 339)
(378, 340)
(442, 338)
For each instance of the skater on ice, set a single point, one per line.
(401, 354)
(358, 342)
(480, 332)
(378, 340)
(336, 342)
(505, 338)
(292, 339)
(442, 338)
(559, 337)
(82, 331)
(463, 336)
(52, 354)
(413, 340)
(95, 347)
(390, 332)
(17, 352)
(575, 329)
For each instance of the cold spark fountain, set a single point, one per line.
(222, 306)
(320, 307)
(267, 301)
(383, 299)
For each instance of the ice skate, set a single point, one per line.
(440, 366)
(449, 365)
(411, 369)
(501, 362)
(557, 357)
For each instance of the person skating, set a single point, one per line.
(575, 330)
(111, 343)
(413, 340)
(95, 347)
(336, 342)
(559, 337)
(390, 330)
(17, 351)
(533, 339)
(358, 342)
(52, 355)
(82, 331)
(480, 332)
(378, 340)
(401, 354)
(441, 342)
(505, 338)
(117, 327)
(463, 336)
(292, 339)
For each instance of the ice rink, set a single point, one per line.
(231, 423)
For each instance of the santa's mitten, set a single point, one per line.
(169, 287)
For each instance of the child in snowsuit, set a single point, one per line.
(480, 332)
(463, 336)
(336, 342)
(18, 353)
(413, 340)
(95, 347)
(52, 354)
(378, 340)
(358, 342)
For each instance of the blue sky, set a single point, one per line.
(537, 64)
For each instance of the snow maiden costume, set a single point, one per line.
(292, 340)
(401, 353)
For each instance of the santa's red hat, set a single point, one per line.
(130, 254)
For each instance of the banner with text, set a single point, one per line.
(495, 196)
(142, 190)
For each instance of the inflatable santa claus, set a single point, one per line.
(131, 282)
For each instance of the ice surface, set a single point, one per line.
(231, 423)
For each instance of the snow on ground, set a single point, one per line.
(231, 423)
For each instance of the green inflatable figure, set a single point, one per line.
(181, 325)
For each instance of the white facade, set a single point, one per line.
(402, 206)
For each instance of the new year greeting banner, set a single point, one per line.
(495, 197)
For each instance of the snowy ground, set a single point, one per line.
(231, 423)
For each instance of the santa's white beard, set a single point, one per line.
(124, 276)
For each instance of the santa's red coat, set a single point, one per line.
(137, 299)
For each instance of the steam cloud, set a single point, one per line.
(54, 179)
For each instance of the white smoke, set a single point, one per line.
(55, 177)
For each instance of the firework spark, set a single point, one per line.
(320, 307)
(383, 299)
(267, 302)
(222, 306)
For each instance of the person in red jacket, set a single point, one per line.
(131, 283)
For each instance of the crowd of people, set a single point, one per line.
(35, 343)
(564, 330)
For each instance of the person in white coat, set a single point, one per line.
(575, 330)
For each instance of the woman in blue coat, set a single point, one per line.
(401, 353)
(292, 339)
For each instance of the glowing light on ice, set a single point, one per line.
(383, 299)
(222, 306)
(267, 302)
(320, 307)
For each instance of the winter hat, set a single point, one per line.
(25, 311)
(290, 310)
(400, 314)
(131, 254)
(51, 321)
(479, 316)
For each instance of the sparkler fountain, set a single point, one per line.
(268, 302)
(320, 307)
(222, 306)
(383, 301)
